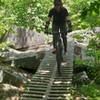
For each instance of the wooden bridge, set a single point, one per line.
(46, 84)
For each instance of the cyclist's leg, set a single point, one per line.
(55, 33)
(63, 29)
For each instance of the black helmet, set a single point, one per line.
(57, 2)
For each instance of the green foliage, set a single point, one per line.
(94, 48)
(92, 91)
(97, 79)
(6, 21)
(26, 13)
(85, 13)
(94, 42)
(31, 13)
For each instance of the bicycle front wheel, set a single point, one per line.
(59, 56)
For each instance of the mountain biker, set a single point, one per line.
(59, 17)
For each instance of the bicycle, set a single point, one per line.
(59, 51)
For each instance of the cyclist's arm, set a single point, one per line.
(48, 21)
(47, 24)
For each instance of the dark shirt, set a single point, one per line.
(59, 18)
